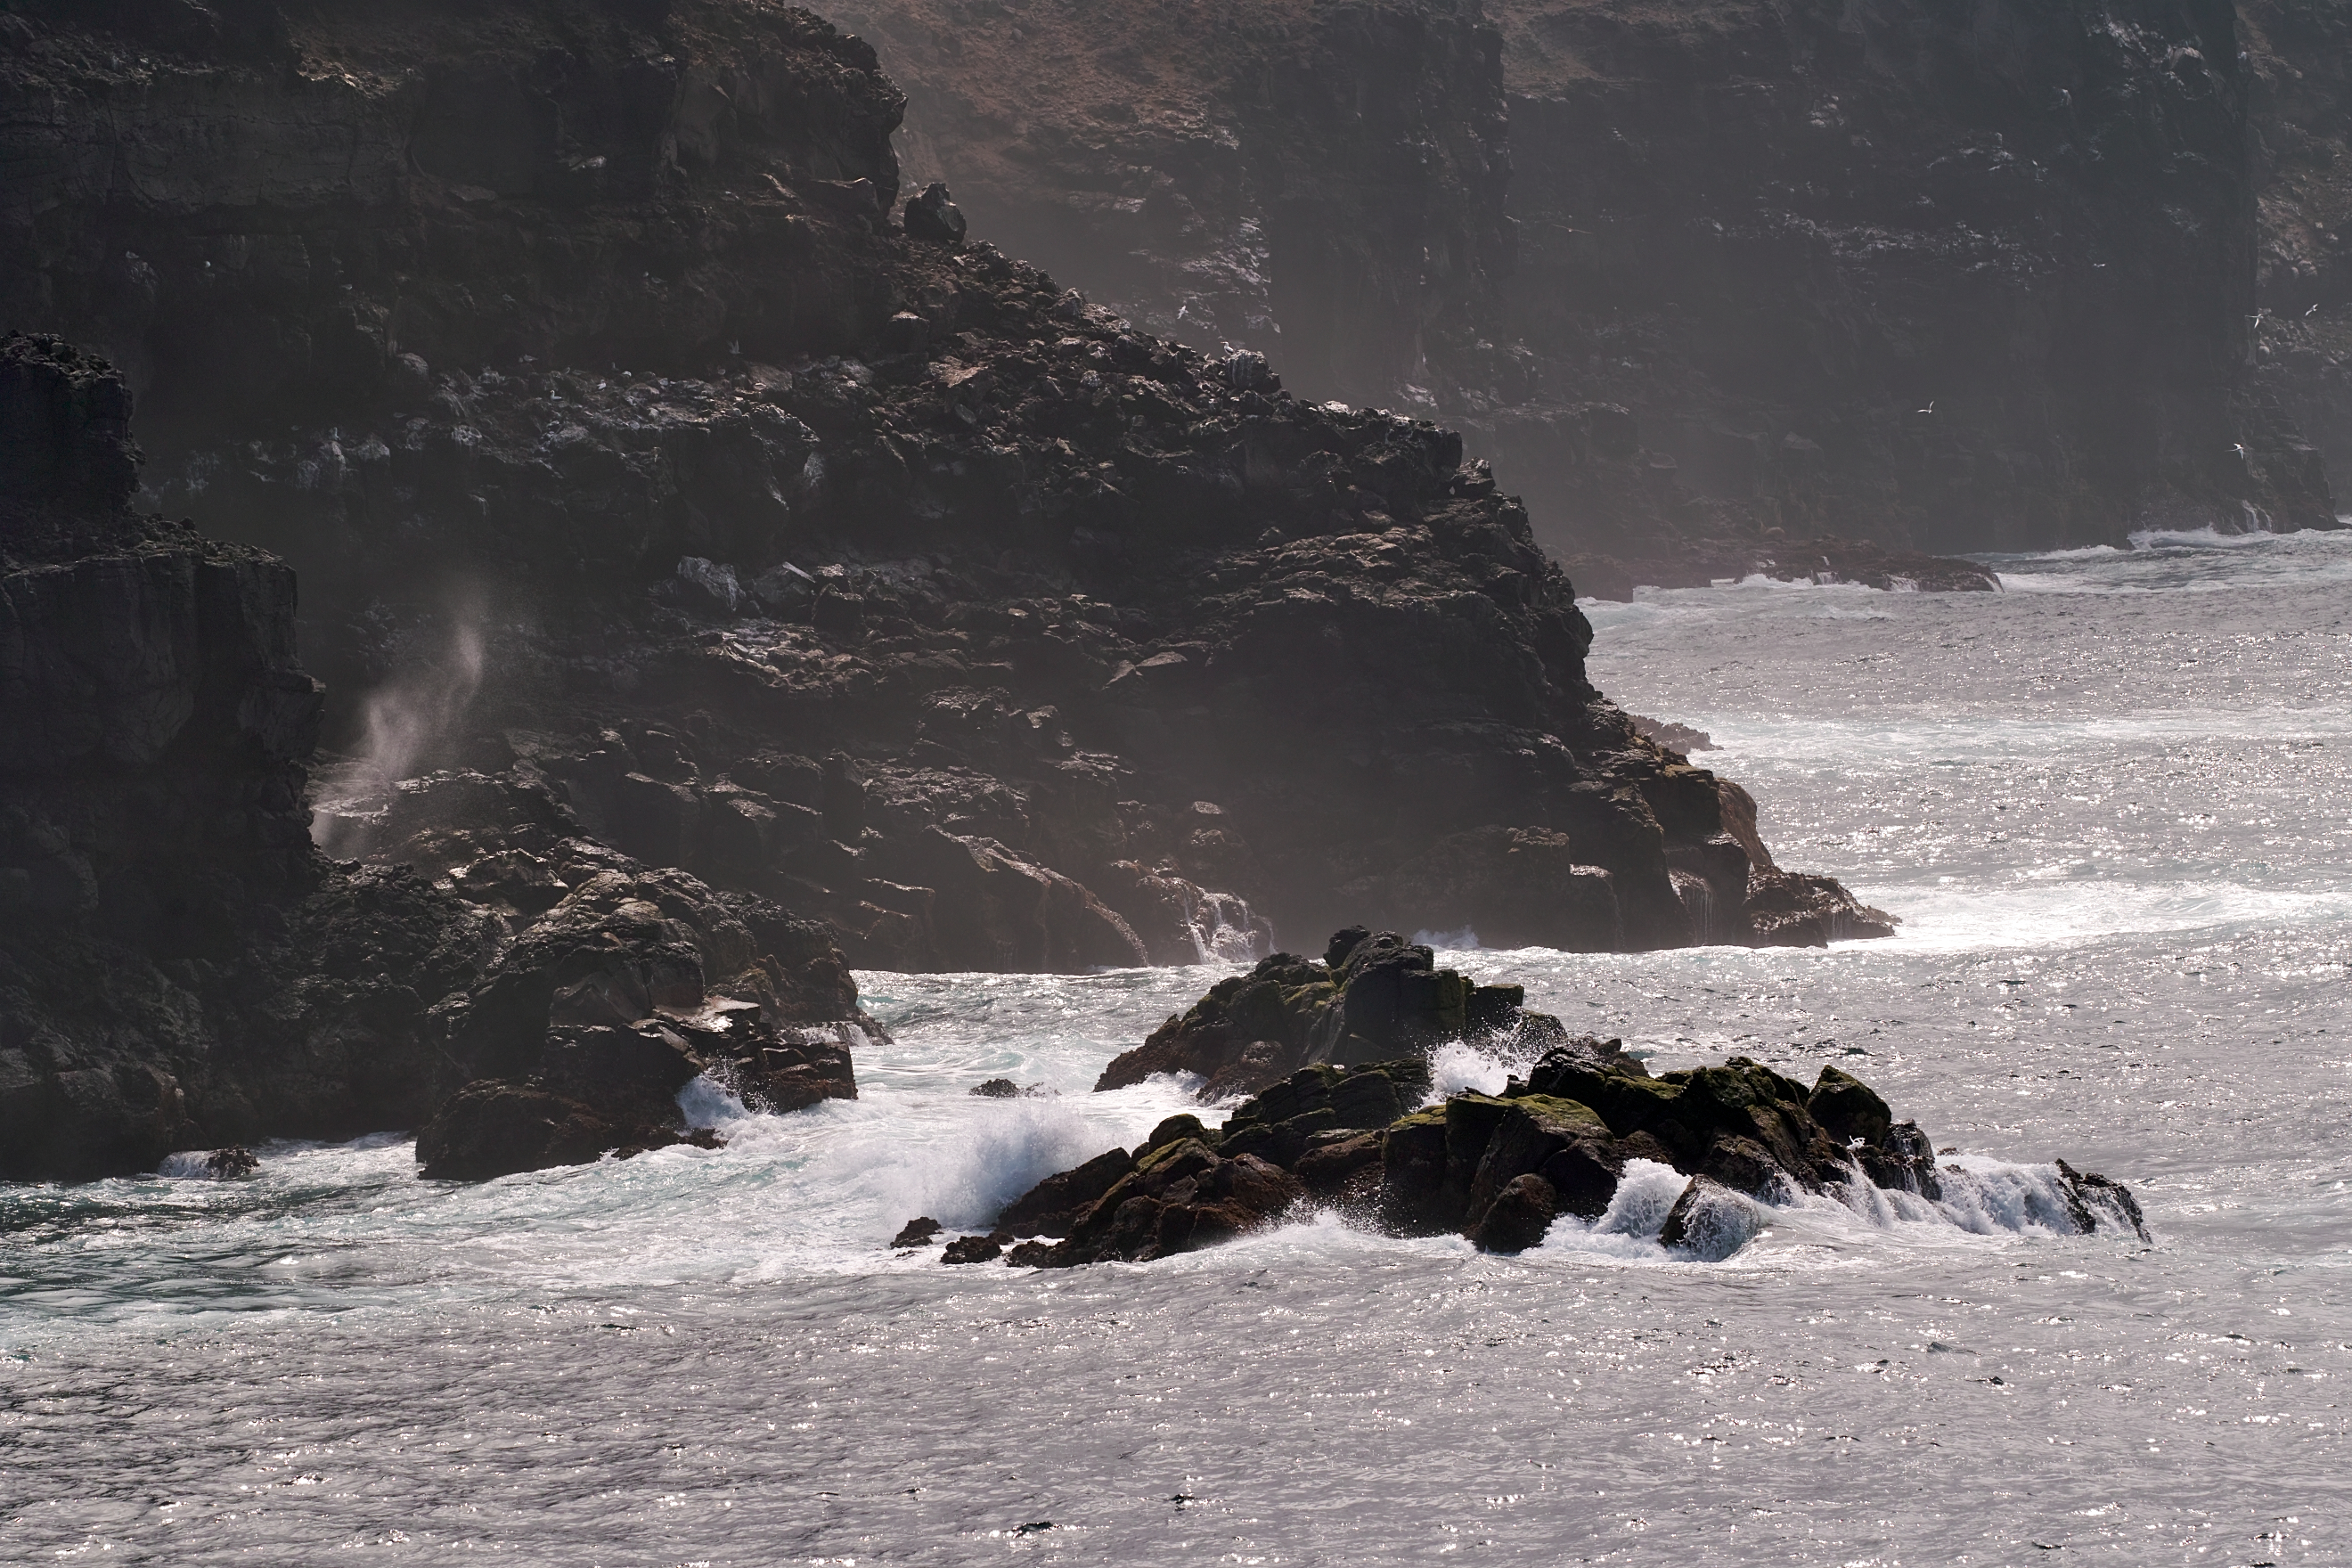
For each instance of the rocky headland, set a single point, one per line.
(1337, 1119)
(661, 475)
(1818, 290)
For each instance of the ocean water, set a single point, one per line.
(2109, 804)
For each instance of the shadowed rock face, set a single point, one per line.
(180, 967)
(878, 577)
(1813, 289)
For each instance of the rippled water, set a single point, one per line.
(2110, 805)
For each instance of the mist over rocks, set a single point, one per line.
(181, 968)
(1365, 1141)
(579, 359)
(1822, 291)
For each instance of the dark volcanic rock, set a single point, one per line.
(1518, 1218)
(889, 582)
(2300, 58)
(496, 1128)
(1499, 1169)
(920, 1232)
(1052, 1208)
(972, 1249)
(1375, 996)
(178, 964)
(633, 984)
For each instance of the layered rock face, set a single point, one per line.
(1498, 1169)
(180, 967)
(151, 821)
(2300, 54)
(1814, 289)
(662, 489)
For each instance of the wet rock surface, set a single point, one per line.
(854, 567)
(1370, 997)
(1499, 1169)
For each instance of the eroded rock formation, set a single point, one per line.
(656, 483)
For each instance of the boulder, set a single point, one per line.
(972, 1249)
(1566, 1144)
(1052, 1208)
(1518, 1218)
(1709, 1221)
(934, 219)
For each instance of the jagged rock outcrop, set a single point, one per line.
(1499, 1169)
(180, 967)
(1374, 996)
(1813, 290)
(650, 480)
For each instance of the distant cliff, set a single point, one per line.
(1705, 282)
(2300, 52)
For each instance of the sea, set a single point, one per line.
(2112, 806)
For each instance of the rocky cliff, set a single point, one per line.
(2300, 54)
(658, 478)
(180, 967)
(1718, 288)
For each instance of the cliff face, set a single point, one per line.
(822, 557)
(1324, 182)
(150, 795)
(1764, 272)
(2300, 54)
(1980, 283)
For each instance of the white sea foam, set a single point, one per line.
(1457, 1067)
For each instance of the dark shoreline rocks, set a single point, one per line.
(1499, 1169)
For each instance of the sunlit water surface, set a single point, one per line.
(2110, 805)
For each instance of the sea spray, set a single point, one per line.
(405, 720)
